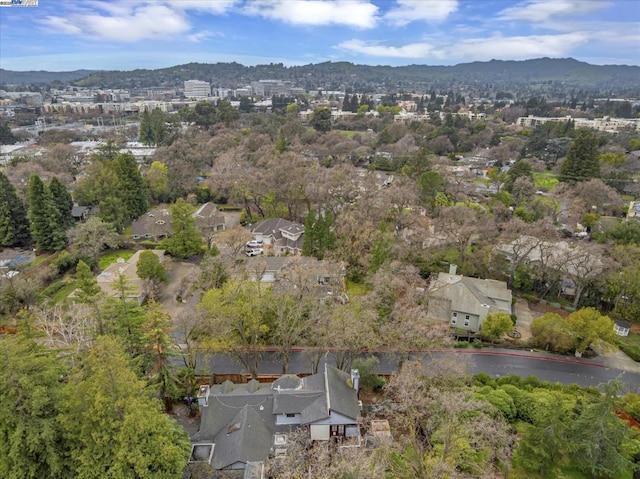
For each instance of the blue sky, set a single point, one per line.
(60, 35)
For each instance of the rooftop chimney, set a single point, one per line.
(452, 269)
(355, 379)
(203, 395)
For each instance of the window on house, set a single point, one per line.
(466, 321)
(455, 314)
(454, 320)
(467, 317)
(291, 414)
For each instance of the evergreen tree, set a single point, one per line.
(520, 169)
(599, 436)
(131, 186)
(14, 227)
(158, 127)
(151, 270)
(62, 200)
(281, 144)
(47, 227)
(186, 240)
(6, 136)
(116, 429)
(346, 102)
(146, 132)
(582, 162)
(31, 441)
(321, 119)
(318, 235)
(88, 288)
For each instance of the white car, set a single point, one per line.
(254, 244)
(255, 252)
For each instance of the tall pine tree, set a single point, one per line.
(47, 227)
(62, 200)
(582, 162)
(14, 227)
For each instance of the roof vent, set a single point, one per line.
(160, 222)
(280, 439)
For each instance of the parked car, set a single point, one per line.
(255, 252)
(255, 244)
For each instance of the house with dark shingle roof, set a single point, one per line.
(246, 423)
(282, 236)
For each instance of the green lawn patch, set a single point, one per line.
(348, 134)
(112, 256)
(355, 289)
(63, 292)
(545, 180)
(630, 345)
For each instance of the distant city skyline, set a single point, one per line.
(128, 34)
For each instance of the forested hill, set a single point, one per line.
(365, 78)
(369, 78)
(8, 77)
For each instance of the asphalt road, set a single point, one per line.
(495, 362)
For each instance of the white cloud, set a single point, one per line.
(409, 11)
(543, 10)
(123, 22)
(202, 35)
(62, 25)
(517, 48)
(412, 50)
(505, 48)
(351, 13)
(217, 7)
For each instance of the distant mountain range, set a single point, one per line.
(8, 77)
(337, 75)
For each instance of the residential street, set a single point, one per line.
(495, 362)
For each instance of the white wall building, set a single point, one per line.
(197, 89)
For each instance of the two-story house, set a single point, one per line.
(465, 302)
(282, 236)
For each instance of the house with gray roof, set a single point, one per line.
(280, 235)
(465, 302)
(245, 424)
(155, 225)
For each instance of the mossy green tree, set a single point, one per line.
(321, 120)
(582, 162)
(496, 325)
(114, 426)
(31, 441)
(185, 240)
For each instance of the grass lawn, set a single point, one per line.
(545, 180)
(112, 256)
(348, 134)
(355, 289)
(630, 345)
(63, 292)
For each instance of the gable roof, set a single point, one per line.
(240, 419)
(471, 295)
(247, 437)
(275, 226)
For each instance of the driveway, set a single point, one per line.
(525, 316)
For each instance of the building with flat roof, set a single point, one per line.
(197, 89)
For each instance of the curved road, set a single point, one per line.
(495, 362)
